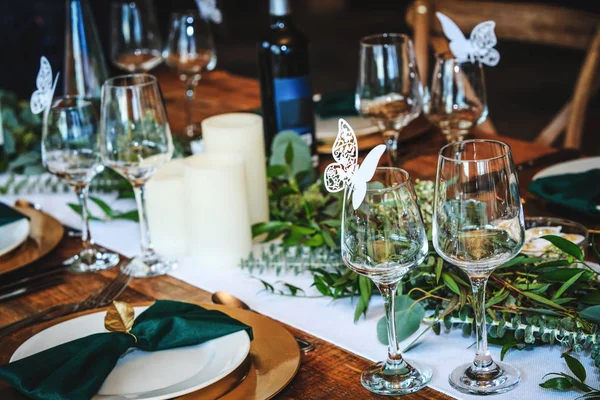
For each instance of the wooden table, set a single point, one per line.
(327, 373)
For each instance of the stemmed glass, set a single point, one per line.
(456, 101)
(477, 226)
(384, 239)
(189, 51)
(71, 151)
(136, 141)
(136, 45)
(389, 90)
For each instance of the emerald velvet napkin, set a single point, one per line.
(336, 104)
(9, 215)
(77, 369)
(580, 191)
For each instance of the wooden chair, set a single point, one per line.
(528, 22)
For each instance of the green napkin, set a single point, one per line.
(77, 369)
(9, 214)
(336, 104)
(580, 192)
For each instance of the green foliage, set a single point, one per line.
(564, 382)
(409, 315)
(109, 213)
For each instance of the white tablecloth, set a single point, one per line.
(322, 317)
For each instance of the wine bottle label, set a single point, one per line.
(294, 106)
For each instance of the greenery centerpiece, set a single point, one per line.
(531, 301)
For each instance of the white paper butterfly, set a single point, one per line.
(210, 11)
(345, 172)
(479, 47)
(42, 97)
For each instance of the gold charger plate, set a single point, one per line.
(272, 363)
(45, 232)
(417, 127)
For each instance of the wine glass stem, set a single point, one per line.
(86, 238)
(388, 292)
(140, 199)
(391, 143)
(190, 83)
(483, 359)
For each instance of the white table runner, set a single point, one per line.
(322, 317)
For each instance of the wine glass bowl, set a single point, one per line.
(190, 51)
(136, 45)
(71, 151)
(478, 225)
(383, 239)
(456, 101)
(389, 90)
(136, 141)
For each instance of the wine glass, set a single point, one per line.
(136, 45)
(456, 101)
(384, 239)
(477, 226)
(71, 151)
(136, 141)
(190, 51)
(389, 90)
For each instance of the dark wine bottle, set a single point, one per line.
(286, 92)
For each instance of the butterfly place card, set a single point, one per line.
(479, 46)
(41, 99)
(345, 173)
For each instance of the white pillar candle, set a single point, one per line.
(165, 208)
(242, 134)
(215, 203)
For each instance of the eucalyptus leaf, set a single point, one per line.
(565, 245)
(408, 320)
(276, 170)
(302, 160)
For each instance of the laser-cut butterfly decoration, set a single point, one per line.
(42, 97)
(480, 45)
(345, 173)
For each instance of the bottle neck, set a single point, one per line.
(279, 8)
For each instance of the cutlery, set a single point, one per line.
(30, 288)
(10, 281)
(97, 299)
(227, 299)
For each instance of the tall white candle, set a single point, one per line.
(165, 208)
(215, 202)
(242, 134)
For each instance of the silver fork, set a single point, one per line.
(97, 299)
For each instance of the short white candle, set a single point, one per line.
(215, 203)
(242, 134)
(165, 208)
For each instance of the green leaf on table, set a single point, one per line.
(328, 239)
(103, 206)
(334, 223)
(566, 285)
(9, 143)
(438, 269)
(276, 170)
(302, 159)
(365, 288)
(575, 366)
(289, 154)
(315, 241)
(132, 215)
(31, 170)
(450, 282)
(302, 230)
(557, 383)
(564, 275)
(294, 290)
(77, 209)
(565, 245)
(264, 227)
(542, 300)
(512, 262)
(409, 315)
(591, 314)
(591, 298)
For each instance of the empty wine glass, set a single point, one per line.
(477, 226)
(136, 141)
(71, 151)
(136, 45)
(384, 239)
(456, 101)
(190, 51)
(389, 90)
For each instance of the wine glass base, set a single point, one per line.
(500, 378)
(92, 260)
(149, 264)
(378, 379)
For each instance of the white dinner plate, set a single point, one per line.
(149, 375)
(327, 128)
(13, 234)
(569, 167)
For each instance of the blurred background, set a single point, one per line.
(527, 88)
